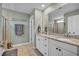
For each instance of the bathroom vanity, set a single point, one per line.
(62, 38)
(57, 45)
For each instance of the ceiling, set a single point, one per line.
(24, 7)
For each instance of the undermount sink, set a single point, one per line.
(60, 37)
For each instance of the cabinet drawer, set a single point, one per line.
(45, 54)
(66, 46)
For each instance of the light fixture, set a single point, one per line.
(43, 5)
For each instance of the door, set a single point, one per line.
(53, 49)
(40, 44)
(60, 52)
(1, 29)
(37, 42)
(31, 31)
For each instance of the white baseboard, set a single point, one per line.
(15, 45)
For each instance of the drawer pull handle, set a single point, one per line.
(59, 49)
(56, 48)
(45, 39)
(45, 45)
(38, 39)
(45, 53)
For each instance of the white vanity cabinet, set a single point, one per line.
(42, 45)
(53, 47)
(53, 50)
(68, 53)
(57, 48)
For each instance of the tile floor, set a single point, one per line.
(27, 50)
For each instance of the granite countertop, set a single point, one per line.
(62, 38)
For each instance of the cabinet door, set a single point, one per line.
(45, 46)
(67, 53)
(41, 44)
(37, 42)
(53, 49)
(60, 52)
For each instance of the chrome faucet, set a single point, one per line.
(67, 34)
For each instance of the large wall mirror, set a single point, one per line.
(58, 26)
(58, 19)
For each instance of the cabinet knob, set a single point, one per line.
(56, 48)
(59, 49)
(45, 53)
(38, 39)
(45, 45)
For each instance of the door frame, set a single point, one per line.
(32, 31)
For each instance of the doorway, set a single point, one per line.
(32, 31)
